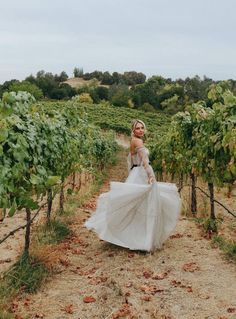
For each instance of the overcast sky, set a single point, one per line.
(172, 38)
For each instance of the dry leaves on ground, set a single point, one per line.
(191, 267)
(68, 309)
(89, 299)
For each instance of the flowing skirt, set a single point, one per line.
(135, 214)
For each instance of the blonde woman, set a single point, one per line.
(140, 213)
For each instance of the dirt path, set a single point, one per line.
(186, 279)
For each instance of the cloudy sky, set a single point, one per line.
(172, 38)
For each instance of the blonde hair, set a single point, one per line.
(134, 124)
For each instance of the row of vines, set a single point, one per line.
(201, 142)
(40, 147)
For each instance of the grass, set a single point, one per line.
(52, 233)
(228, 248)
(209, 225)
(6, 315)
(78, 199)
(28, 274)
(25, 276)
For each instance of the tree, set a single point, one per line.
(132, 78)
(171, 105)
(62, 77)
(85, 98)
(148, 92)
(27, 87)
(107, 78)
(102, 92)
(119, 95)
(196, 89)
(146, 107)
(5, 86)
(64, 91)
(78, 72)
(117, 77)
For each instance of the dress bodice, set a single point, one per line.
(140, 158)
(136, 159)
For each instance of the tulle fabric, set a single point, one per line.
(135, 214)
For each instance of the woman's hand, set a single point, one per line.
(151, 180)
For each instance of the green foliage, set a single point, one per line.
(78, 72)
(26, 275)
(85, 98)
(27, 87)
(120, 96)
(41, 146)
(53, 233)
(5, 86)
(133, 78)
(128, 78)
(196, 89)
(201, 140)
(102, 93)
(64, 91)
(146, 107)
(61, 77)
(227, 247)
(148, 92)
(120, 119)
(52, 86)
(211, 225)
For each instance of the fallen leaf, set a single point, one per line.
(160, 276)
(191, 267)
(68, 309)
(189, 289)
(89, 299)
(151, 289)
(176, 283)
(13, 306)
(39, 315)
(77, 252)
(65, 262)
(231, 310)
(122, 312)
(176, 236)
(98, 280)
(147, 274)
(146, 298)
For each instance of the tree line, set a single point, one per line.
(130, 89)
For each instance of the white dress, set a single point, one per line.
(135, 214)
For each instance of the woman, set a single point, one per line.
(140, 213)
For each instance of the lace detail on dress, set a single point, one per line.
(140, 158)
(129, 162)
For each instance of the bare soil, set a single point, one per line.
(78, 82)
(188, 278)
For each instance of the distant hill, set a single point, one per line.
(78, 82)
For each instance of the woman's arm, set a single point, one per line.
(145, 163)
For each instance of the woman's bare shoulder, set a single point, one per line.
(136, 142)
